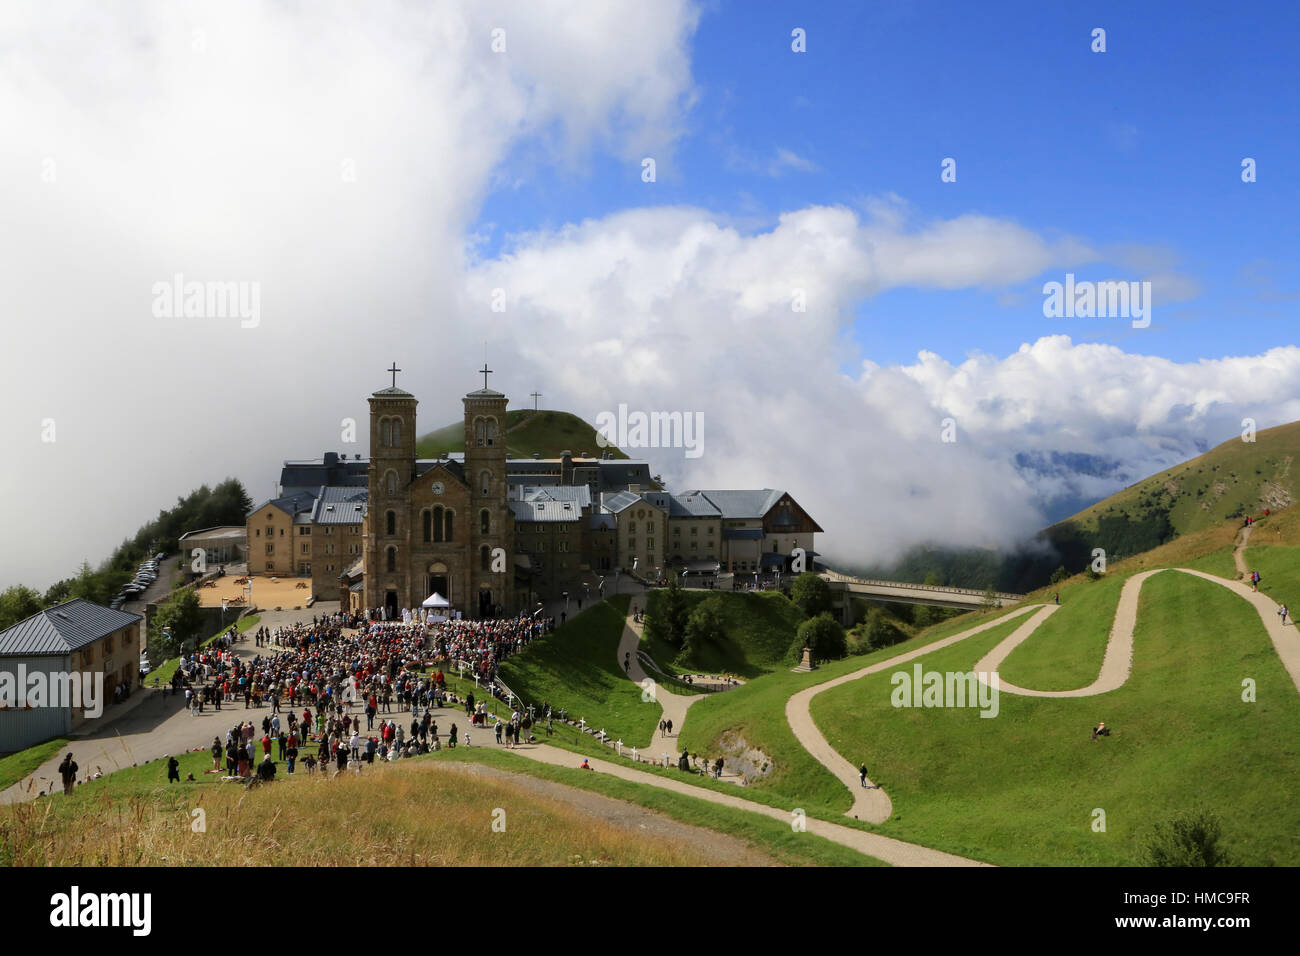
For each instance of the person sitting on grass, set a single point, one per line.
(266, 770)
(1101, 730)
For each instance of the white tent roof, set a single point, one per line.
(436, 600)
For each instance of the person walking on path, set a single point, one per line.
(627, 662)
(862, 774)
(68, 771)
(1283, 611)
(1057, 597)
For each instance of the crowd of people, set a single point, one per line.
(329, 674)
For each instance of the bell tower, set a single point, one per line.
(388, 512)
(491, 557)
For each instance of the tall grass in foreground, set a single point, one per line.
(415, 815)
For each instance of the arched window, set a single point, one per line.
(386, 432)
(390, 522)
(485, 558)
(484, 522)
(397, 432)
(392, 559)
(390, 482)
(485, 483)
(447, 535)
(491, 431)
(437, 524)
(480, 431)
(428, 525)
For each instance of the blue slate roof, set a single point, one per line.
(63, 628)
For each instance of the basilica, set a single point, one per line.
(479, 533)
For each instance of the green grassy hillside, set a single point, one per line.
(528, 433)
(1022, 788)
(1230, 481)
(758, 631)
(576, 667)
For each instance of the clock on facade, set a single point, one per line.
(436, 487)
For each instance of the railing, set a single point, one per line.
(867, 582)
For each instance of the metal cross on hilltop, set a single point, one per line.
(394, 370)
(486, 372)
(536, 396)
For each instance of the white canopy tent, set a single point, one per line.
(435, 608)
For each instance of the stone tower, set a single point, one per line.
(491, 522)
(392, 469)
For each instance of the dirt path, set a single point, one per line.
(674, 706)
(1239, 552)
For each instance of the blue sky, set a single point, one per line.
(1140, 145)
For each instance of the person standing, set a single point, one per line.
(862, 774)
(173, 770)
(1283, 611)
(68, 771)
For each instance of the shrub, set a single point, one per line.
(811, 593)
(1192, 838)
(823, 634)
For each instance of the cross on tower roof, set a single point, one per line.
(394, 370)
(486, 372)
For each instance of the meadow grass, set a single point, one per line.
(18, 765)
(576, 668)
(415, 813)
(1066, 651)
(1022, 788)
(1279, 573)
(770, 836)
(756, 713)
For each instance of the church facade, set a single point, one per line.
(445, 528)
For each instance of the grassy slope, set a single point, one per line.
(1066, 652)
(757, 713)
(18, 765)
(1021, 788)
(576, 668)
(412, 814)
(759, 630)
(528, 433)
(1235, 476)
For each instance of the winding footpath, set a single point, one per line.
(874, 805)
